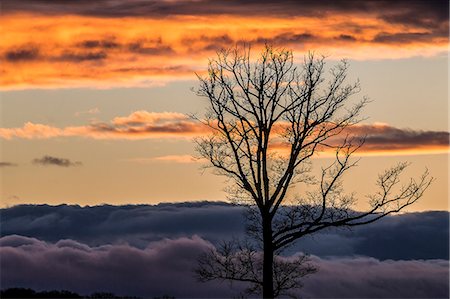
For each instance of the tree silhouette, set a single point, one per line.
(268, 119)
(30, 293)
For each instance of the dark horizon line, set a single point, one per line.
(186, 204)
(25, 293)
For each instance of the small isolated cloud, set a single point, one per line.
(49, 160)
(184, 159)
(90, 112)
(7, 164)
(181, 159)
(27, 53)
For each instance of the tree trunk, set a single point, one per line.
(268, 258)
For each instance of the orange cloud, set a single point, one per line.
(39, 50)
(145, 117)
(138, 125)
(380, 139)
(32, 131)
(383, 139)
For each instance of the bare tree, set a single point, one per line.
(268, 119)
(242, 261)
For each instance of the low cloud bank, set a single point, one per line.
(403, 237)
(136, 225)
(371, 278)
(165, 267)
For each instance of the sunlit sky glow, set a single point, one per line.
(104, 88)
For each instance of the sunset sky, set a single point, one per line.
(94, 94)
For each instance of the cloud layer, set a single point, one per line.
(403, 237)
(165, 268)
(380, 138)
(70, 43)
(120, 269)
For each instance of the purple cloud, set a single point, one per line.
(165, 267)
(402, 237)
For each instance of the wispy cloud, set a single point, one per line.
(50, 160)
(31, 131)
(184, 159)
(7, 164)
(88, 112)
(181, 159)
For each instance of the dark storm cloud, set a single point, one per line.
(403, 237)
(49, 160)
(165, 268)
(7, 164)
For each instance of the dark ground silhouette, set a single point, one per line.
(29, 293)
